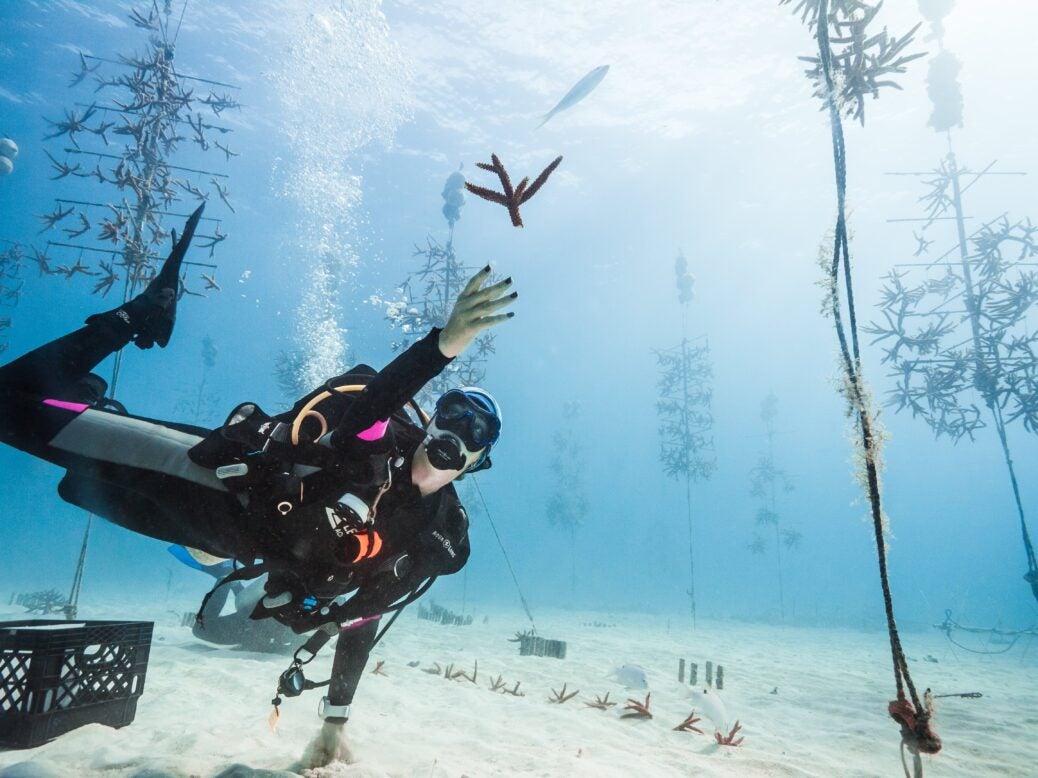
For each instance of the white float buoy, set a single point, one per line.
(8, 148)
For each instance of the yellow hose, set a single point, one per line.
(308, 411)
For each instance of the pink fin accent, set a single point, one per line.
(375, 431)
(77, 407)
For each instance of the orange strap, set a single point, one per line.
(370, 545)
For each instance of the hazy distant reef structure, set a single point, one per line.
(567, 505)
(767, 482)
(684, 395)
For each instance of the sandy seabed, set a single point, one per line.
(811, 702)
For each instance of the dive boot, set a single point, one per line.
(151, 314)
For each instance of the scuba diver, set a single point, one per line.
(343, 502)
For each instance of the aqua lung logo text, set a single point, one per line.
(445, 542)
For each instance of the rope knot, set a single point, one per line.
(916, 730)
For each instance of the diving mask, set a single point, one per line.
(467, 421)
(472, 415)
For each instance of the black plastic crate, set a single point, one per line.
(59, 675)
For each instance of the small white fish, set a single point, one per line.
(709, 703)
(578, 92)
(631, 676)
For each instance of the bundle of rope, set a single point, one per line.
(912, 714)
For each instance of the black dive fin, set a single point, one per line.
(164, 290)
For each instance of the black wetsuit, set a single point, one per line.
(288, 520)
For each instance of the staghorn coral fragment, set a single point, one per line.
(689, 724)
(638, 710)
(729, 739)
(561, 697)
(601, 703)
(511, 198)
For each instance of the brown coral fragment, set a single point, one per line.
(511, 198)
(561, 697)
(639, 710)
(689, 724)
(729, 739)
(514, 691)
(459, 674)
(378, 669)
(602, 703)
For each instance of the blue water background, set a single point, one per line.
(703, 138)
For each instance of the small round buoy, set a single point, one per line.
(6, 166)
(8, 148)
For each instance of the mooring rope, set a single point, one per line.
(504, 553)
(912, 715)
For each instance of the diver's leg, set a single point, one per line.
(56, 367)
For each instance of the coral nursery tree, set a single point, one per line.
(122, 136)
(767, 481)
(854, 63)
(567, 503)
(113, 151)
(11, 261)
(683, 407)
(960, 330)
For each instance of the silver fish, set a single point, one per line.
(709, 703)
(579, 91)
(631, 676)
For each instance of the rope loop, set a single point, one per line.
(916, 731)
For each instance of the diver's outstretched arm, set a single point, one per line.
(402, 378)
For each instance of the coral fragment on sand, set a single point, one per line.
(602, 703)
(561, 697)
(638, 710)
(461, 674)
(689, 724)
(729, 739)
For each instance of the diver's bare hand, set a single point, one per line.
(475, 311)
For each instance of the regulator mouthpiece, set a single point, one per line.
(445, 453)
